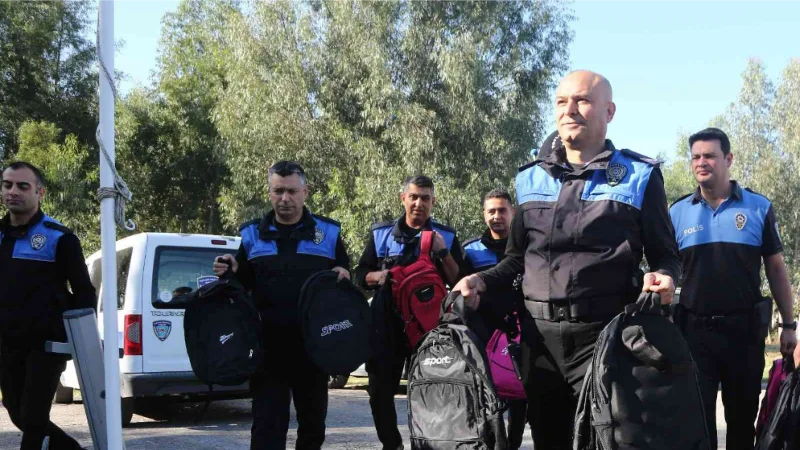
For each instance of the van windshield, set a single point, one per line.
(179, 271)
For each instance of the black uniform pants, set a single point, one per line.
(288, 374)
(736, 362)
(384, 380)
(517, 418)
(555, 356)
(28, 382)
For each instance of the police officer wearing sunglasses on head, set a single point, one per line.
(278, 253)
(586, 214)
(723, 232)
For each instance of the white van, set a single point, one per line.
(155, 271)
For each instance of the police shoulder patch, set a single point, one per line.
(319, 235)
(741, 221)
(643, 158)
(38, 240)
(615, 173)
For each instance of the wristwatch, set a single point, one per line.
(442, 254)
(788, 326)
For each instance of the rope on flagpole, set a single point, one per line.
(120, 192)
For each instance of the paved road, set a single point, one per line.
(226, 426)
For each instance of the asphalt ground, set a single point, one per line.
(226, 425)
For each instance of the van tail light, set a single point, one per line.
(133, 335)
(219, 242)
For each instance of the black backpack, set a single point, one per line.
(782, 429)
(641, 390)
(222, 330)
(452, 403)
(335, 318)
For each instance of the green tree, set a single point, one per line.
(71, 187)
(174, 185)
(168, 142)
(46, 70)
(367, 93)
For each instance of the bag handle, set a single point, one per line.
(426, 245)
(649, 303)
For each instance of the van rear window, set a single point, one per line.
(179, 271)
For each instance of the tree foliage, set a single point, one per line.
(71, 179)
(365, 94)
(46, 70)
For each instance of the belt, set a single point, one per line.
(589, 310)
(742, 321)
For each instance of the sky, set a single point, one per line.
(673, 65)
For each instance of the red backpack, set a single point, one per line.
(418, 291)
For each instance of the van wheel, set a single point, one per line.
(64, 395)
(127, 404)
(337, 381)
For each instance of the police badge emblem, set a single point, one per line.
(38, 241)
(615, 173)
(741, 219)
(162, 329)
(319, 235)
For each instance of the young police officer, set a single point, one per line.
(397, 243)
(723, 232)
(278, 253)
(585, 215)
(39, 257)
(483, 253)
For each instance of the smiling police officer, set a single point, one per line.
(39, 259)
(586, 214)
(723, 232)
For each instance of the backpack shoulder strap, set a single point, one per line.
(425, 245)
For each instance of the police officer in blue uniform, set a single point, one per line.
(723, 232)
(397, 243)
(586, 214)
(277, 254)
(483, 253)
(39, 258)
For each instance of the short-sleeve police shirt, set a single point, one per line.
(721, 250)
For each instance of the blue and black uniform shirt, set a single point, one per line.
(275, 260)
(482, 253)
(39, 261)
(721, 250)
(579, 232)
(395, 243)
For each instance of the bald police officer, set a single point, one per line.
(586, 214)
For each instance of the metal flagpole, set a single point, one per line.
(108, 232)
